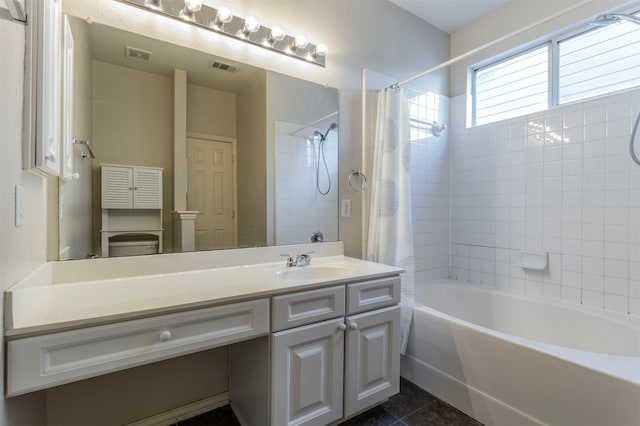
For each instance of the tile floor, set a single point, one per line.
(411, 407)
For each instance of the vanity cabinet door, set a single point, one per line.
(307, 384)
(147, 188)
(131, 188)
(117, 187)
(372, 371)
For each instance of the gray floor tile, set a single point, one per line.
(410, 399)
(377, 416)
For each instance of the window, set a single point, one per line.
(600, 61)
(512, 87)
(591, 62)
(423, 109)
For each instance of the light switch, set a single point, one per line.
(345, 208)
(19, 205)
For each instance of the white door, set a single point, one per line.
(307, 384)
(372, 372)
(210, 191)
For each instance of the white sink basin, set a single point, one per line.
(314, 272)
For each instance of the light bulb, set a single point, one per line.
(299, 42)
(319, 50)
(190, 8)
(251, 25)
(224, 15)
(277, 34)
(193, 5)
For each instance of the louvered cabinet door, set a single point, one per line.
(147, 188)
(117, 187)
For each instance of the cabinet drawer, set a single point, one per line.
(372, 295)
(292, 310)
(44, 361)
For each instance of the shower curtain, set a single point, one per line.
(390, 236)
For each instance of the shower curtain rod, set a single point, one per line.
(319, 120)
(494, 42)
(427, 123)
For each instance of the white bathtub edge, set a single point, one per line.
(468, 399)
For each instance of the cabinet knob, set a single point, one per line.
(51, 156)
(342, 327)
(353, 325)
(165, 336)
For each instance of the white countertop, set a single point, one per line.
(38, 309)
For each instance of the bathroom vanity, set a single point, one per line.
(308, 345)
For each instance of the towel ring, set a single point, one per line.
(363, 186)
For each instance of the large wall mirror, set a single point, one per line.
(178, 150)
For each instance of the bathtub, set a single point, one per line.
(506, 359)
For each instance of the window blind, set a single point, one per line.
(515, 86)
(599, 61)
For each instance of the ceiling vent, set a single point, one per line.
(138, 54)
(224, 67)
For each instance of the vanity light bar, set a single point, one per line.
(222, 20)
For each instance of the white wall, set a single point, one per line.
(252, 164)
(21, 249)
(132, 125)
(210, 111)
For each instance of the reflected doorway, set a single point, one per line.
(211, 190)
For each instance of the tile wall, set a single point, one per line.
(560, 182)
(300, 208)
(430, 199)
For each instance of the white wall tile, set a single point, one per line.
(560, 182)
(593, 298)
(616, 303)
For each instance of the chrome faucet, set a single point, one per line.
(303, 259)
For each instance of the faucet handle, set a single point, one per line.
(304, 258)
(290, 260)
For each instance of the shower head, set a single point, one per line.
(331, 127)
(610, 18)
(323, 137)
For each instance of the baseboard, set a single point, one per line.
(184, 412)
(468, 399)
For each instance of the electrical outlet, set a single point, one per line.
(19, 205)
(345, 208)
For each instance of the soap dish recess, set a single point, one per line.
(534, 260)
